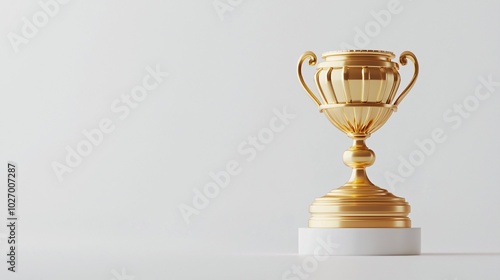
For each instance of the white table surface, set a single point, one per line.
(162, 265)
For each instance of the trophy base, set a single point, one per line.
(359, 241)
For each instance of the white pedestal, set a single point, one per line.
(359, 241)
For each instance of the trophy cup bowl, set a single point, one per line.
(357, 90)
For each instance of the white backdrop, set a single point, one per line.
(171, 92)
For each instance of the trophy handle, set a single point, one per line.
(403, 58)
(312, 61)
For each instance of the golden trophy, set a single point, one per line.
(357, 93)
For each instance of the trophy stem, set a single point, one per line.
(358, 157)
(359, 178)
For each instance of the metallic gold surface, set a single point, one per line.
(357, 89)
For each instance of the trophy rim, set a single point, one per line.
(359, 52)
